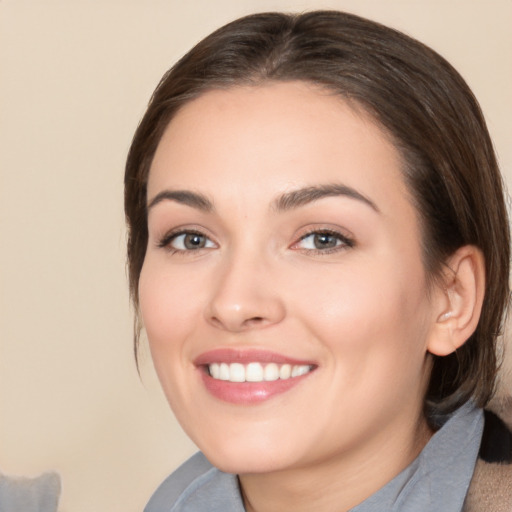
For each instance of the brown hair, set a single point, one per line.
(420, 101)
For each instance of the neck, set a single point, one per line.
(338, 483)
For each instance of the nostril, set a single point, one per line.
(254, 320)
(216, 321)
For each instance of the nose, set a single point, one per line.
(245, 296)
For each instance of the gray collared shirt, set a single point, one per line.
(438, 479)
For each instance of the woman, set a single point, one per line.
(318, 249)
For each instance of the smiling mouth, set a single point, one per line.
(256, 371)
(250, 376)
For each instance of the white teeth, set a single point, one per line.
(224, 371)
(253, 372)
(285, 372)
(271, 372)
(236, 372)
(215, 371)
(256, 372)
(297, 371)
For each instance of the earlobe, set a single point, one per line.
(459, 302)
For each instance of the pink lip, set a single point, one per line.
(229, 355)
(246, 393)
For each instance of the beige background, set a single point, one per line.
(75, 78)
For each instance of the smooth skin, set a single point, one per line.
(239, 260)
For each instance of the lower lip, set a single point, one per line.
(247, 393)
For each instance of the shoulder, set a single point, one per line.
(491, 486)
(196, 485)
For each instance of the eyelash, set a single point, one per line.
(166, 241)
(345, 242)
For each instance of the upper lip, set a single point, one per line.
(245, 356)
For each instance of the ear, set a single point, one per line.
(458, 301)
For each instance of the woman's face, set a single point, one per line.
(283, 291)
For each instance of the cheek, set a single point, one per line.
(375, 335)
(169, 306)
(377, 312)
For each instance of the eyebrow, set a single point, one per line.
(187, 197)
(303, 196)
(285, 202)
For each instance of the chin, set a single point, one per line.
(247, 459)
(238, 466)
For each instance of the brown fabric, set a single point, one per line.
(491, 486)
(490, 489)
(502, 406)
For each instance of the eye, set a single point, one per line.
(186, 241)
(323, 241)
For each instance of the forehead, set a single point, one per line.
(283, 135)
